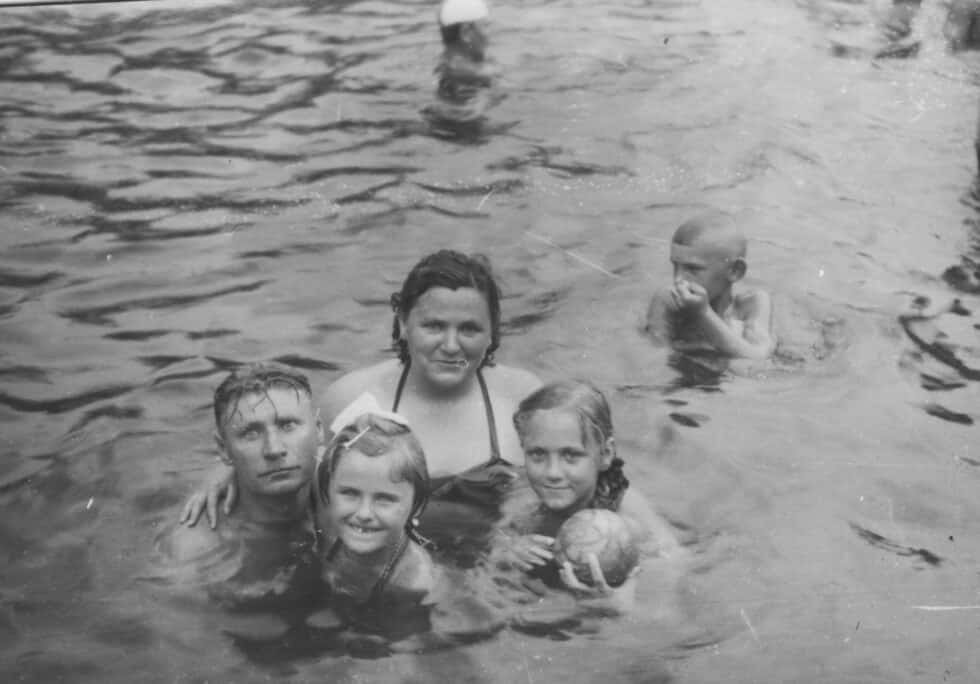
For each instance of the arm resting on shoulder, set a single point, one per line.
(220, 484)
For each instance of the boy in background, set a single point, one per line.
(701, 310)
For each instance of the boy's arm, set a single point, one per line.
(757, 332)
(755, 340)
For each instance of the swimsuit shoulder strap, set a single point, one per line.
(488, 406)
(491, 422)
(400, 388)
(389, 569)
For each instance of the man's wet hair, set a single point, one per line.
(255, 378)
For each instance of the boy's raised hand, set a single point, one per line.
(687, 295)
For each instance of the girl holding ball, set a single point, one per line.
(573, 472)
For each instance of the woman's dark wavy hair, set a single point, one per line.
(454, 270)
(589, 405)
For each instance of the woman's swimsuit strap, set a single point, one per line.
(491, 422)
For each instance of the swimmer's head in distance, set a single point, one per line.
(462, 11)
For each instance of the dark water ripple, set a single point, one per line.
(102, 314)
(19, 279)
(62, 404)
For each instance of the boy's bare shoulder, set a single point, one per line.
(750, 301)
(657, 323)
(659, 300)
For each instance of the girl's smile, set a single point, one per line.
(369, 509)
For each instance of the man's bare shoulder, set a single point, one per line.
(184, 544)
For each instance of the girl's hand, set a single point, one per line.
(619, 598)
(223, 485)
(527, 551)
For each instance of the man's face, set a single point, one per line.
(271, 439)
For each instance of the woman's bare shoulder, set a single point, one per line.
(345, 389)
(512, 382)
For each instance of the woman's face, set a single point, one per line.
(448, 333)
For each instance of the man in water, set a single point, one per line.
(269, 432)
(701, 310)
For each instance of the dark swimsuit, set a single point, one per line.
(379, 587)
(464, 507)
(394, 614)
(483, 484)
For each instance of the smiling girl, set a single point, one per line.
(372, 485)
(570, 456)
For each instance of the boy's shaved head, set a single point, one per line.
(715, 231)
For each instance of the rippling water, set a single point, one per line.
(186, 186)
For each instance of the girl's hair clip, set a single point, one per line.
(350, 442)
(364, 404)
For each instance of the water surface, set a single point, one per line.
(188, 186)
